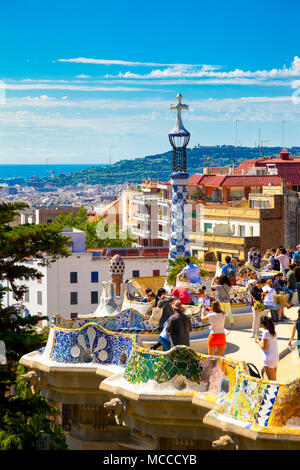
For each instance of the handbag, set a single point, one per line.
(253, 371)
(258, 305)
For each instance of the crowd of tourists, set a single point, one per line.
(270, 292)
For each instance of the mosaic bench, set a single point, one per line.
(213, 377)
(90, 343)
(261, 407)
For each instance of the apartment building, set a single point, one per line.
(73, 286)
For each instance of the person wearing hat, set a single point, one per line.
(179, 326)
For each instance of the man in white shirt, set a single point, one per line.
(271, 302)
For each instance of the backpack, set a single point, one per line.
(230, 273)
(255, 260)
(275, 264)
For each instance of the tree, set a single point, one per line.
(22, 416)
(99, 234)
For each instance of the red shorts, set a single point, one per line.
(217, 340)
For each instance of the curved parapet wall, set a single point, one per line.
(144, 308)
(129, 319)
(260, 406)
(213, 376)
(252, 407)
(89, 344)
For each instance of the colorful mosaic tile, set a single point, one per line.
(90, 343)
(216, 376)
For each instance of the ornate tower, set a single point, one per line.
(179, 138)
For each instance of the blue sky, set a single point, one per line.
(80, 77)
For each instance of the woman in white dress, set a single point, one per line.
(268, 344)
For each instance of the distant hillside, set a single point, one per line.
(160, 166)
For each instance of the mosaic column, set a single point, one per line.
(179, 242)
(179, 138)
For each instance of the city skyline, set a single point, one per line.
(87, 83)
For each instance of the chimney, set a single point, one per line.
(284, 154)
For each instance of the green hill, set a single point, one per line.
(160, 166)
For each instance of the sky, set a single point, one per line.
(92, 81)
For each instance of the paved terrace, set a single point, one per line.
(241, 346)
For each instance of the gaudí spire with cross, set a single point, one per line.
(179, 138)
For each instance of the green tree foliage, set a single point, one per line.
(23, 416)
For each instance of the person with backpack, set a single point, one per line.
(275, 265)
(255, 259)
(229, 270)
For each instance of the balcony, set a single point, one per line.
(143, 198)
(161, 201)
(163, 219)
(141, 216)
(139, 232)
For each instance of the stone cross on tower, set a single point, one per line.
(179, 128)
(179, 138)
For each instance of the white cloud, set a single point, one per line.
(211, 72)
(84, 60)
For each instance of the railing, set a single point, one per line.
(141, 215)
(144, 197)
(140, 232)
(163, 235)
(163, 219)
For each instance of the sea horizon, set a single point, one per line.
(15, 170)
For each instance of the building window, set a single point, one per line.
(73, 298)
(156, 272)
(251, 231)
(94, 276)
(135, 273)
(242, 230)
(208, 228)
(40, 323)
(74, 315)
(26, 296)
(73, 278)
(39, 298)
(39, 281)
(94, 297)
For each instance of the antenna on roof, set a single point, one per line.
(282, 141)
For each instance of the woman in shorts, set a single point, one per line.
(217, 338)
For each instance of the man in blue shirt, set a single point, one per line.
(296, 257)
(229, 270)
